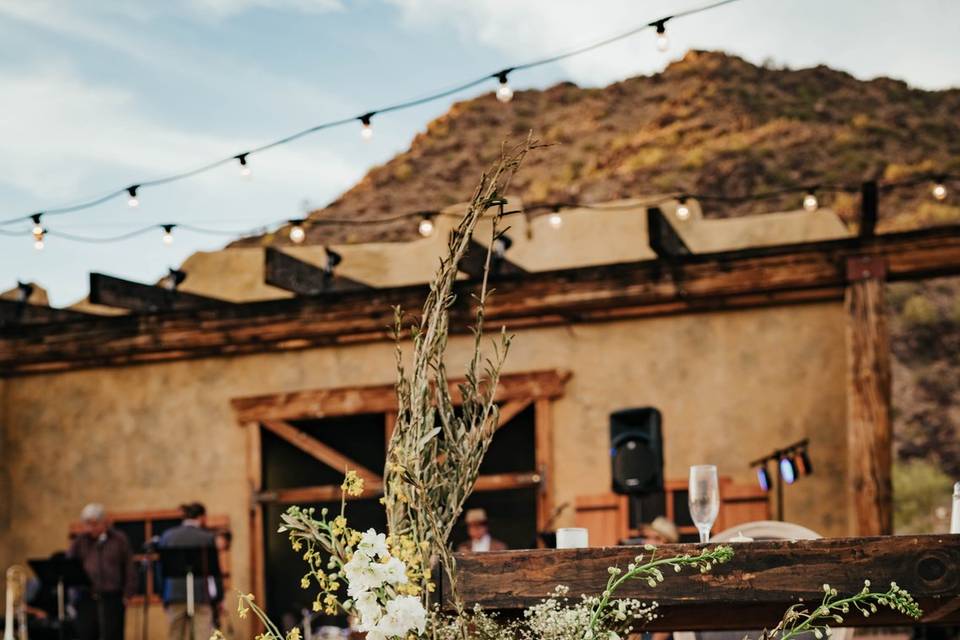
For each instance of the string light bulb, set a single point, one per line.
(297, 233)
(425, 228)
(810, 202)
(38, 232)
(939, 190)
(245, 171)
(366, 129)
(663, 42)
(683, 210)
(504, 92)
(167, 233)
(133, 201)
(555, 220)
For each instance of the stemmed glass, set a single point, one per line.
(704, 498)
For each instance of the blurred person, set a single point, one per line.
(191, 533)
(107, 560)
(479, 534)
(660, 531)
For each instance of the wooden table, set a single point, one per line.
(752, 591)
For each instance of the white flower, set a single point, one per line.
(361, 574)
(373, 544)
(393, 571)
(369, 609)
(404, 613)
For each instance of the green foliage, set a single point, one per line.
(919, 311)
(920, 488)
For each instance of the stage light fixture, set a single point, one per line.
(167, 233)
(763, 477)
(788, 470)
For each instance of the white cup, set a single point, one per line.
(572, 538)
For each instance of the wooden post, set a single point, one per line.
(869, 432)
(543, 448)
(255, 480)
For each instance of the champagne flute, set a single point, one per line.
(704, 498)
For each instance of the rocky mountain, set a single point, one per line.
(714, 123)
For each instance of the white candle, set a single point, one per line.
(572, 538)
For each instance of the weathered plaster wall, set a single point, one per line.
(731, 386)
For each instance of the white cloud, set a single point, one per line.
(62, 135)
(227, 8)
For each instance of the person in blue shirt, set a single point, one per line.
(191, 533)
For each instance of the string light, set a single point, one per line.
(683, 211)
(297, 232)
(663, 42)
(555, 219)
(425, 227)
(810, 202)
(245, 171)
(38, 232)
(939, 190)
(132, 192)
(366, 129)
(167, 233)
(504, 92)
(365, 119)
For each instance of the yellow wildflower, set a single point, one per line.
(339, 525)
(352, 484)
(316, 605)
(296, 544)
(293, 634)
(305, 582)
(217, 635)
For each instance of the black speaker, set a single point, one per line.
(636, 451)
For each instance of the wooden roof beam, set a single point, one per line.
(663, 238)
(14, 312)
(302, 278)
(475, 259)
(144, 298)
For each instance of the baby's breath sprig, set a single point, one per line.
(650, 570)
(832, 609)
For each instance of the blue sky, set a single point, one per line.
(97, 95)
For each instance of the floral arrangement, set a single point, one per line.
(384, 581)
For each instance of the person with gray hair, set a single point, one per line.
(108, 561)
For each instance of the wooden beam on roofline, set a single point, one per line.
(324, 403)
(664, 239)
(752, 591)
(748, 278)
(15, 313)
(302, 278)
(145, 298)
(473, 262)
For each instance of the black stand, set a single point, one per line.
(64, 572)
(189, 563)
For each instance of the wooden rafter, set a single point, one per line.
(664, 239)
(511, 410)
(331, 493)
(752, 591)
(322, 452)
(320, 403)
(473, 263)
(13, 313)
(801, 273)
(302, 278)
(144, 298)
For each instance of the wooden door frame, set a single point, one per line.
(516, 392)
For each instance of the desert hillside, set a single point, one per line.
(714, 123)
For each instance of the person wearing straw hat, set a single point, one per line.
(479, 532)
(660, 531)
